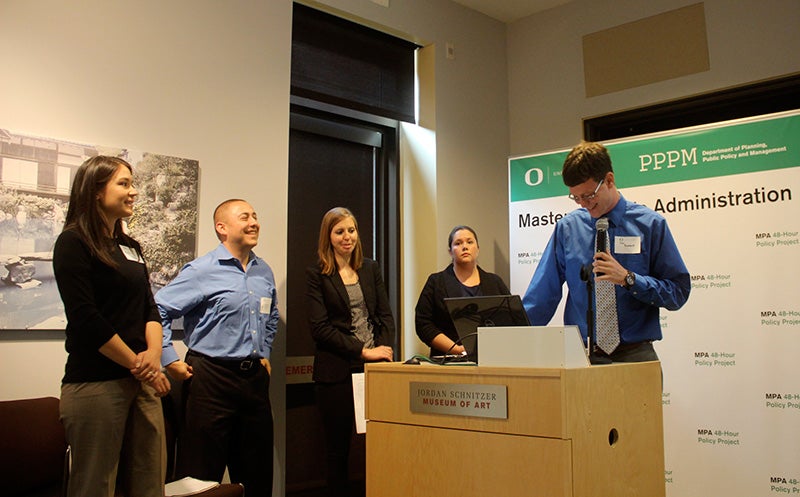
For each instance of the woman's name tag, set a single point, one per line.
(131, 254)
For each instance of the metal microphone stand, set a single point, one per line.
(586, 275)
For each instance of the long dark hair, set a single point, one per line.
(327, 259)
(83, 214)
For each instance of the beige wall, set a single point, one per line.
(748, 41)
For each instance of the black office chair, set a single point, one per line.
(32, 459)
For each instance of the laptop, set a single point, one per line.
(469, 313)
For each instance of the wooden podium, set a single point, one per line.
(583, 432)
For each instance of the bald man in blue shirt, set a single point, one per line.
(227, 299)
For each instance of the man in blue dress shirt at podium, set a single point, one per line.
(642, 260)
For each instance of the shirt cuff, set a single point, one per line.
(168, 355)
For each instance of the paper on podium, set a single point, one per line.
(358, 402)
(188, 486)
(531, 347)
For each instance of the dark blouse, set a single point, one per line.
(431, 315)
(101, 301)
(338, 349)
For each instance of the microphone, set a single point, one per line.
(600, 239)
(602, 229)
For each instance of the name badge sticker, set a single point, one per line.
(266, 305)
(627, 245)
(131, 254)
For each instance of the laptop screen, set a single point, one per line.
(470, 313)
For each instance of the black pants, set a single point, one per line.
(633, 352)
(335, 403)
(228, 422)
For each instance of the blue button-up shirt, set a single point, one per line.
(662, 279)
(228, 311)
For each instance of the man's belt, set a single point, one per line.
(245, 364)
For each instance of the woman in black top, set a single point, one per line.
(109, 405)
(462, 278)
(351, 323)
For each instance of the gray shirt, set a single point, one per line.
(362, 327)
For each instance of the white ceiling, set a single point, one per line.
(510, 10)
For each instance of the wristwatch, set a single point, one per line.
(630, 279)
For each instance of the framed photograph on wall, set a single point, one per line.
(35, 179)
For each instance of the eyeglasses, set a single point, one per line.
(587, 197)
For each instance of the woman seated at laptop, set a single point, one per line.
(462, 278)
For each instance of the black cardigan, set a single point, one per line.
(99, 302)
(338, 351)
(431, 315)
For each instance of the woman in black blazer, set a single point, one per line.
(462, 278)
(351, 323)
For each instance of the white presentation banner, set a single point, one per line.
(730, 194)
